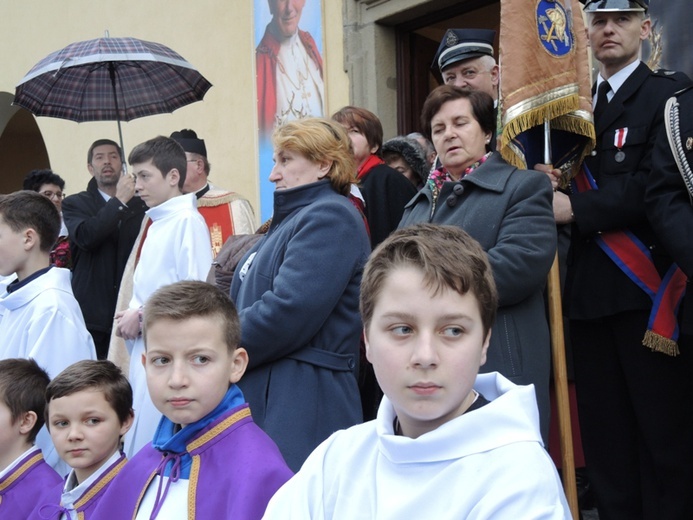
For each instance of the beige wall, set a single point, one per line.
(216, 36)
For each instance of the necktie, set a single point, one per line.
(602, 100)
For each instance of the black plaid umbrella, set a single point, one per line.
(110, 79)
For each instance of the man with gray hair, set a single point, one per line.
(226, 212)
(465, 59)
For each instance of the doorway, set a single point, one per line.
(417, 41)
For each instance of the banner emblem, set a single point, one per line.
(553, 28)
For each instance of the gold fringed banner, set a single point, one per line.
(544, 76)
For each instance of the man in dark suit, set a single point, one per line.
(103, 222)
(633, 401)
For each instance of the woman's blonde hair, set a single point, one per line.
(320, 141)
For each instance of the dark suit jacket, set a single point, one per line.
(101, 237)
(595, 286)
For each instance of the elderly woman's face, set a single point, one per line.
(457, 136)
(54, 193)
(398, 163)
(291, 169)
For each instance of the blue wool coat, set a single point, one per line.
(300, 322)
(510, 213)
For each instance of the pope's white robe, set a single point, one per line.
(176, 248)
(486, 464)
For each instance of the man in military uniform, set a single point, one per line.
(465, 59)
(670, 187)
(634, 392)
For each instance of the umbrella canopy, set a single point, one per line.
(110, 79)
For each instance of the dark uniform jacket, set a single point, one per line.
(595, 286)
(668, 202)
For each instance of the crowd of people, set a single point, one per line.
(383, 343)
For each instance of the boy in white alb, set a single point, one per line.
(445, 444)
(88, 410)
(40, 317)
(175, 247)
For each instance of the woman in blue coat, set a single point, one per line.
(509, 211)
(297, 294)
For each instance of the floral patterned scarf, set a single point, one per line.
(438, 177)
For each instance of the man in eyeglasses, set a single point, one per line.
(465, 59)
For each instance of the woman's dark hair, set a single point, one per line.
(482, 106)
(37, 178)
(365, 121)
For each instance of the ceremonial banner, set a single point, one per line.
(545, 78)
(545, 75)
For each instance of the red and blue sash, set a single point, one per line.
(634, 259)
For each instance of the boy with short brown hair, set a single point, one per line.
(39, 315)
(447, 443)
(174, 247)
(88, 410)
(24, 475)
(208, 459)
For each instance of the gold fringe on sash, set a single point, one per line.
(658, 343)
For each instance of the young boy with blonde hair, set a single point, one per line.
(208, 459)
(88, 410)
(24, 475)
(446, 443)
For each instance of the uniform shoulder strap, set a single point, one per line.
(671, 123)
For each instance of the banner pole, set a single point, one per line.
(560, 380)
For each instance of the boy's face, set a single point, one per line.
(189, 367)
(426, 350)
(9, 434)
(151, 185)
(13, 249)
(85, 430)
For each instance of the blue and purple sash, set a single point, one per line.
(634, 259)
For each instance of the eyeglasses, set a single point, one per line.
(53, 194)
